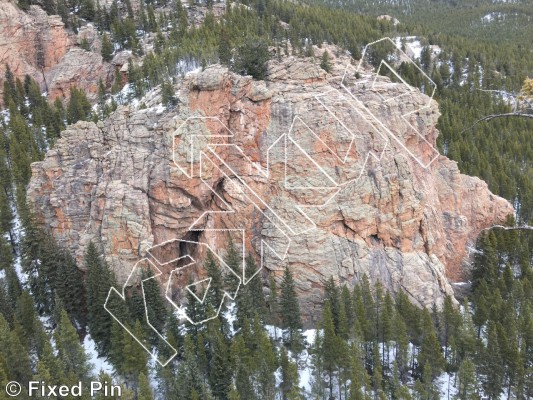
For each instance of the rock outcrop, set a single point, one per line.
(326, 174)
(80, 69)
(32, 43)
(38, 45)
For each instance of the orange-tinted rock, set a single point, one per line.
(32, 43)
(38, 45)
(80, 69)
(389, 216)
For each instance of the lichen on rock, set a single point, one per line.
(38, 45)
(301, 162)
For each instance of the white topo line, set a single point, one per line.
(200, 148)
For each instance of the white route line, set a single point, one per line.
(200, 158)
(204, 156)
(227, 294)
(208, 280)
(409, 88)
(122, 296)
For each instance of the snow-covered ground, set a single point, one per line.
(491, 17)
(99, 364)
(446, 384)
(305, 370)
(231, 316)
(414, 47)
(274, 332)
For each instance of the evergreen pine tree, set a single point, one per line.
(318, 384)
(482, 306)
(12, 287)
(349, 309)
(10, 90)
(242, 361)
(250, 300)
(168, 94)
(224, 48)
(289, 387)
(266, 363)
(35, 251)
(360, 381)
(251, 59)
(377, 369)
(115, 353)
(491, 366)
(43, 373)
(235, 262)
(134, 356)
(85, 45)
(6, 308)
(135, 304)
(70, 353)
(430, 358)
(12, 349)
(290, 312)
(68, 284)
(331, 294)
(191, 374)
(220, 371)
(195, 311)
(485, 261)
(216, 289)
(152, 24)
(107, 48)
(331, 346)
(79, 107)
(387, 323)
(155, 306)
(402, 350)
(233, 394)
(6, 216)
(466, 337)
(87, 10)
(144, 392)
(25, 314)
(466, 387)
(273, 304)
(451, 321)
(99, 279)
(425, 389)
(325, 63)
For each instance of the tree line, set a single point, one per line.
(370, 343)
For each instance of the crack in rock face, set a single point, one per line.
(295, 169)
(39, 45)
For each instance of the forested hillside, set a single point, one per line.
(479, 72)
(370, 344)
(503, 22)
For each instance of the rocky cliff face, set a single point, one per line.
(38, 45)
(328, 175)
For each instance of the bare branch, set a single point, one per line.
(499, 91)
(509, 228)
(522, 104)
(513, 96)
(505, 115)
(494, 116)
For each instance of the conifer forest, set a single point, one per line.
(363, 340)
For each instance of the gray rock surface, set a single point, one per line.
(358, 194)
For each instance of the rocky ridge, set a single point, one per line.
(338, 176)
(38, 45)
